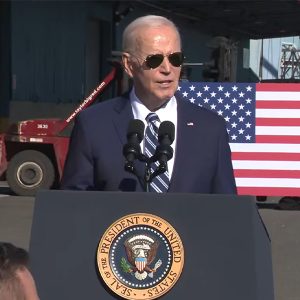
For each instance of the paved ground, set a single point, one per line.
(283, 227)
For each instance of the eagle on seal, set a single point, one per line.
(141, 251)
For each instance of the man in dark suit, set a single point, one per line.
(201, 162)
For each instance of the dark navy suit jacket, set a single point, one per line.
(95, 160)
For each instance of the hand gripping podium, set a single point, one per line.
(227, 251)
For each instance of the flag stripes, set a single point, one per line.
(266, 161)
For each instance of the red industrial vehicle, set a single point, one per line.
(33, 152)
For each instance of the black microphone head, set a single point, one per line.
(166, 128)
(136, 127)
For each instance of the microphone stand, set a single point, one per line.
(129, 167)
(148, 176)
(145, 180)
(163, 153)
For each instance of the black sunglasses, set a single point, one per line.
(153, 61)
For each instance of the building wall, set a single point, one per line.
(48, 49)
(59, 52)
(5, 50)
(266, 54)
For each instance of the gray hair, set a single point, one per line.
(149, 21)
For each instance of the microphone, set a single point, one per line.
(166, 135)
(135, 135)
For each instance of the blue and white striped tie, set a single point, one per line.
(160, 183)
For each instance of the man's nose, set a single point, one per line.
(165, 66)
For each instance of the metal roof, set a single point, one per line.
(239, 18)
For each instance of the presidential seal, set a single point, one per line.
(140, 256)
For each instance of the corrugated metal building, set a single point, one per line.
(266, 56)
(53, 53)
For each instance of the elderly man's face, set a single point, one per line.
(154, 86)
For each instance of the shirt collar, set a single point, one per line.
(140, 111)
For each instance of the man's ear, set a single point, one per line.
(127, 64)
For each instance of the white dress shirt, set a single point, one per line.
(167, 112)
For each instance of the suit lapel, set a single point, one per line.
(121, 118)
(183, 142)
(122, 115)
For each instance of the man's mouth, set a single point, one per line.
(165, 82)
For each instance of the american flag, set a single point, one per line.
(263, 124)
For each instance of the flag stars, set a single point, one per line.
(233, 102)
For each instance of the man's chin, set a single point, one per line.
(157, 100)
(166, 95)
(160, 102)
